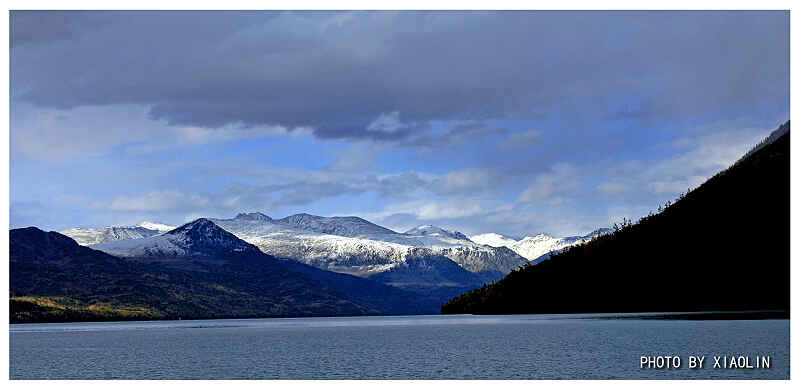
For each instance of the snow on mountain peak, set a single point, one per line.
(600, 231)
(343, 242)
(534, 247)
(88, 236)
(253, 216)
(428, 230)
(204, 233)
(156, 226)
(352, 244)
(349, 226)
(494, 239)
(538, 238)
(199, 237)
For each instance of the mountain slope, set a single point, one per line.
(50, 263)
(52, 278)
(723, 246)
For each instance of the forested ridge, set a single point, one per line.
(722, 246)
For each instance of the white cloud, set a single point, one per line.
(199, 135)
(52, 134)
(388, 123)
(712, 149)
(464, 181)
(156, 201)
(443, 210)
(427, 210)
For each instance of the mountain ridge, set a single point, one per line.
(350, 229)
(347, 226)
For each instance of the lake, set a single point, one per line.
(520, 347)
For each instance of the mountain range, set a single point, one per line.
(195, 271)
(536, 248)
(248, 266)
(424, 259)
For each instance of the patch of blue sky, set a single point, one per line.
(93, 175)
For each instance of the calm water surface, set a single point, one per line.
(524, 347)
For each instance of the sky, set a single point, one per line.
(513, 122)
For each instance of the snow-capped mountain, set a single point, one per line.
(342, 226)
(221, 276)
(198, 238)
(88, 236)
(253, 216)
(437, 264)
(422, 259)
(494, 239)
(428, 230)
(157, 226)
(354, 245)
(333, 252)
(534, 248)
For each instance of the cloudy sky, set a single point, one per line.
(510, 122)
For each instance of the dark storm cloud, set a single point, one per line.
(732, 60)
(48, 26)
(339, 72)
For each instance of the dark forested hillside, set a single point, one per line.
(52, 278)
(722, 246)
